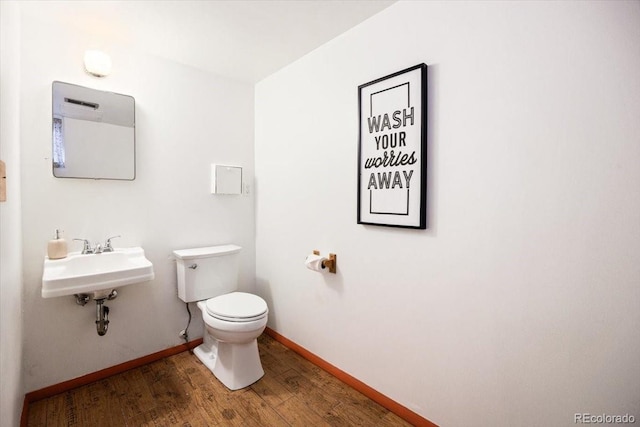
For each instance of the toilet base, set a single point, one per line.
(234, 365)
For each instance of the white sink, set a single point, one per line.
(95, 274)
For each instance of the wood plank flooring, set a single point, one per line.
(181, 391)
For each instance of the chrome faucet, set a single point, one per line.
(107, 244)
(86, 246)
(98, 249)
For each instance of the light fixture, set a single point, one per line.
(97, 63)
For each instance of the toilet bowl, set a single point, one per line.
(233, 323)
(233, 320)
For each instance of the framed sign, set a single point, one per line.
(392, 150)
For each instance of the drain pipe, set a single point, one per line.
(102, 317)
(102, 313)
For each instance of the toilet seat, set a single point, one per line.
(237, 307)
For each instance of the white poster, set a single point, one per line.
(392, 150)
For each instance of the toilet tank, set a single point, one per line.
(205, 273)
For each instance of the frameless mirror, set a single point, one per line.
(226, 179)
(93, 133)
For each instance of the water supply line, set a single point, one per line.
(82, 299)
(184, 334)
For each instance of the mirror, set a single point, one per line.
(226, 179)
(93, 133)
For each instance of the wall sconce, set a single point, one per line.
(97, 63)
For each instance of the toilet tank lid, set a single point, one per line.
(206, 252)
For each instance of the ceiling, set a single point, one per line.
(243, 40)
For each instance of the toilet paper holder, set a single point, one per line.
(330, 263)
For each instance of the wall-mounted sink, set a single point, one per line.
(95, 274)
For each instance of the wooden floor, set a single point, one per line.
(181, 391)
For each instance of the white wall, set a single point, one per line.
(11, 334)
(185, 120)
(519, 304)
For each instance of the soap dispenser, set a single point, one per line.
(57, 248)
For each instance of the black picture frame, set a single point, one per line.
(392, 150)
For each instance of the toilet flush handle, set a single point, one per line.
(193, 266)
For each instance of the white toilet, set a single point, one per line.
(233, 320)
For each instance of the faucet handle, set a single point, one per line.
(86, 246)
(107, 244)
